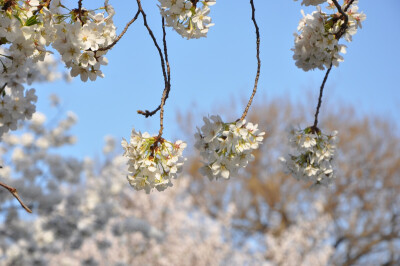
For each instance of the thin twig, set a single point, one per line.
(80, 11)
(111, 45)
(164, 65)
(168, 87)
(258, 60)
(338, 35)
(320, 96)
(13, 191)
(166, 53)
(147, 113)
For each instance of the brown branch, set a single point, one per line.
(348, 5)
(367, 248)
(321, 90)
(338, 35)
(168, 86)
(258, 60)
(147, 113)
(165, 69)
(111, 45)
(80, 11)
(13, 191)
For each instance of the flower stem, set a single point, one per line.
(320, 97)
(253, 10)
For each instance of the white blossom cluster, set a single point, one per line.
(316, 44)
(78, 44)
(226, 147)
(15, 105)
(26, 30)
(313, 157)
(189, 20)
(153, 161)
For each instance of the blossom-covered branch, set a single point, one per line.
(317, 47)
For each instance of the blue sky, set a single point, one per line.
(208, 73)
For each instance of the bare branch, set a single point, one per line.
(111, 45)
(80, 11)
(13, 191)
(168, 87)
(258, 60)
(321, 90)
(165, 69)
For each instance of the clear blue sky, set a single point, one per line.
(208, 72)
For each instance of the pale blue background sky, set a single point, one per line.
(210, 72)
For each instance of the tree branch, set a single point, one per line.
(338, 35)
(111, 45)
(80, 11)
(165, 69)
(13, 191)
(168, 86)
(258, 60)
(320, 98)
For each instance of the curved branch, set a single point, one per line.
(111, 45)
(321, 90)
(258, 60)
(165, 69)
(338, 35)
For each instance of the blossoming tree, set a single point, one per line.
(31, 30)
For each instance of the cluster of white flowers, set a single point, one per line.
(15, 105)
(316, 45)
(189, 20)
(153, 161)
(313, 156)
(26, 29)
(78, 44)
(226, 147)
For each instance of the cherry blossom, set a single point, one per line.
(226, 147)
(153, 161)
(313, 156)
(316, 44)
(186, 17)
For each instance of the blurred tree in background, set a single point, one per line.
(86, 214)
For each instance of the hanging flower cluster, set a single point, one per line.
(316, 45)
(189, 20)
(153, 161)
(313, 156)
(226, 147)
